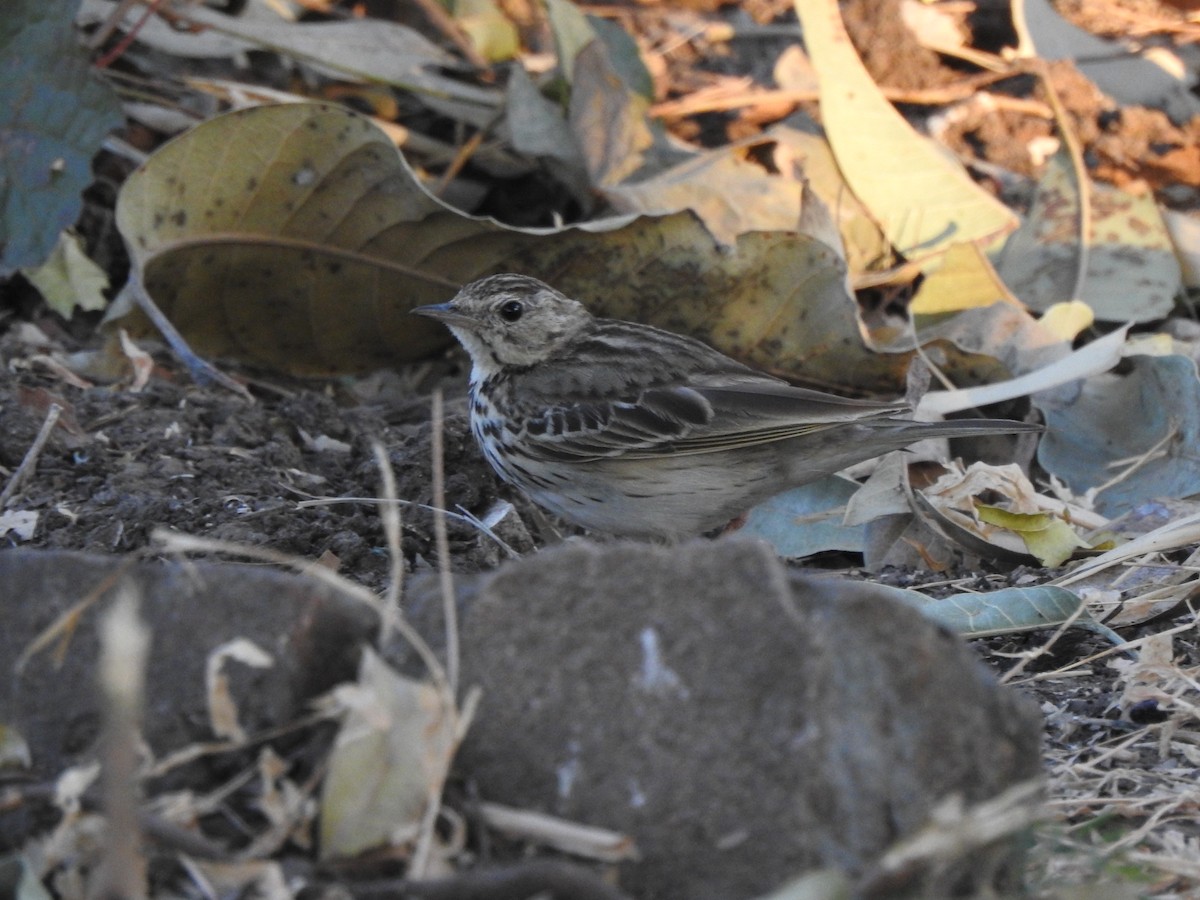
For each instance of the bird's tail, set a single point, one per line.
(956, 428)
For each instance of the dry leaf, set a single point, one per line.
(388, 763)
(924, 200)
(222, 708)
(1124, 267)
(310, 263)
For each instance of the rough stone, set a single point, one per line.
(313, 633)
(740, 723)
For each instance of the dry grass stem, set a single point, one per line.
(1070, 669)
(442, 541)
(1142, 778)
(174, 542)
(1044, 649)
(389, 515)
(1173, 536)
(63, 627)
(955, 833)
(461, 516)
(1134, 464)
(125, 644)
(585, 841)
(29, 462)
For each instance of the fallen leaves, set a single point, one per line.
(296, 238)
(53, 115)
(389, 761)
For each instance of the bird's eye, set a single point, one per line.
(512, 310)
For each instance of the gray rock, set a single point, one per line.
(314, 634)
(741, 724)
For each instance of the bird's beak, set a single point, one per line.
(444, 312)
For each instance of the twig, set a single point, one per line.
(124, 641)
(174, 837)
(1069, 669)
(153, 826)
(29, 463)
(185, 543)
(464, 154)
(1027, 658)
(201, 370)
(130, 36)
(427, 831)
(389, 514)
(447, 689)
(1079, 170)
(587, 841)
(442, 541)
(441, 20)
(721, 99)
(111, 24)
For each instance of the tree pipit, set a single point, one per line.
(631, 430)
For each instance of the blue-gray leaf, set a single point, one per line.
(53, 116)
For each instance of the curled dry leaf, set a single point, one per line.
(140, 362)
(222, 707)
(1030, 525)
(630, 162)
(388, 763)
(608, 119)
(296, 238)
(730, 195)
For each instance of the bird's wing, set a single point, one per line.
(598, 429)
(693, 418)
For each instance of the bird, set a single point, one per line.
(632, 431)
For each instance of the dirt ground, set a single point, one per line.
(204, 461)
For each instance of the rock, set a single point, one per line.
(313, 633)
(742, 724)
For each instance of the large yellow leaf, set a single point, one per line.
(923, 200)
(296, 238)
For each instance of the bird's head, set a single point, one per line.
(509, 320)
